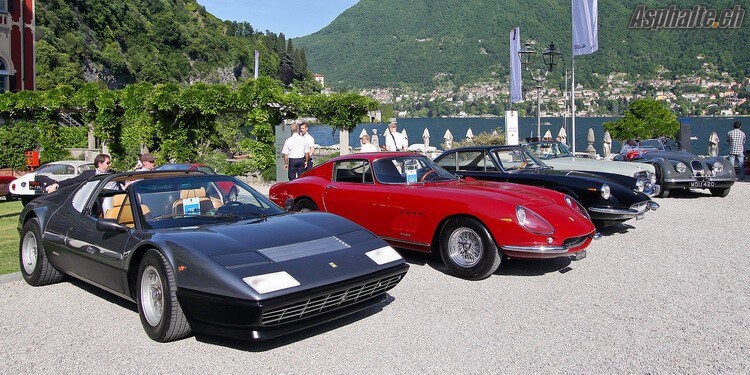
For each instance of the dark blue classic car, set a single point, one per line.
(195, 259)
(679, 169)
(608, 201)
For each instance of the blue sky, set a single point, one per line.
(294, 18)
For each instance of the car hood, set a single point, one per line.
(628, 169)
(516, 194)
(253, 235)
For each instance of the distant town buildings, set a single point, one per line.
(318, 77)
(17, 54)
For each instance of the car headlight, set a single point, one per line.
(271, 282)
(639, 185)
(532, 222)
(605, 191)
(718, 167)
(652, 178)
(572, 203)
(383, 255)
(680, 167)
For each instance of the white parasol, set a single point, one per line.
(426, 138)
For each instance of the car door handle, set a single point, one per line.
(330, 187)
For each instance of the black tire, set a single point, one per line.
(35, 266)
(663, 193)
(160, 312)
(26, 199)
(720, 192)
(305, 205)
(477, 261)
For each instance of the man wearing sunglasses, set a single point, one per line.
(102, 162)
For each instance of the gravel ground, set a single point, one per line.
(669, 293)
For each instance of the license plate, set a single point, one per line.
(702, 184)
(639, 216)
(580, 255)
(35, 185)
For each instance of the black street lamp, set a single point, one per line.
(550, 57)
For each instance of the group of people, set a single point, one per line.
(394, 141)
(102, 165)
(298, 151)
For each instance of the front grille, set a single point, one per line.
(640, 207)
(327, 302)
(573, 242)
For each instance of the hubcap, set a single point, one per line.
(152, 296)
(29, 253)
(465, 247)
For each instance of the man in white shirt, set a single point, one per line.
(394, 141)
(296, 153)
(366, 145)
(310, 143)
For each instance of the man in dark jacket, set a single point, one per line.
(102, 163)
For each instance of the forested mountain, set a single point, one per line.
(390, 43)
(157, 41)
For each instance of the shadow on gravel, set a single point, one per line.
(621, 228)
(509, 267)
(107, 296)
(262, 346)
(533, 267)
(688, 194)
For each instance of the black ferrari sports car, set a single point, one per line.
(193, 259)
(609, 200)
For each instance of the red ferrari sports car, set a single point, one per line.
(414, 204)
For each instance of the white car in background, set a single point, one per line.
(557, 155)
(27, 188)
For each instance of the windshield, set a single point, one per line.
(199, 199)
(56, 169)
(517, 159)
(651, 144)
(550, 150)
(409, 169)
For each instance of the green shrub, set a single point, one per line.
(239, 168)
(483, 138)
(215, 159)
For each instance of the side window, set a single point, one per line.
(82, 195)
(448, 162)
(489, 165)
(471, 161)
(356, 171)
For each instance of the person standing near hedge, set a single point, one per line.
(310, 143)
(296, 152)
(102, 162)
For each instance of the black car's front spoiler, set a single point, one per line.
(242, 319)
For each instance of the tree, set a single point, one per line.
(645, 118)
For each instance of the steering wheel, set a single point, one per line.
(424, 177)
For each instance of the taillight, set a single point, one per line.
(532, 222)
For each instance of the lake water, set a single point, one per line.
(700, 127)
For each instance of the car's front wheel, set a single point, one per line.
(720, 192)
(467, 249)
(35, 267)
(161, 315)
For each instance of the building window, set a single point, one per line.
(4, 6)
(3, 73)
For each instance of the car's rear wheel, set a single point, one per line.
(305, 205)
(161, 315)
(467, 249)
(35, 266)
(720, 192)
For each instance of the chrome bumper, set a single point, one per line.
(543, 249)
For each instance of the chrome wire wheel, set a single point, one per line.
(29, 252)
(465, 247)
(152, 296)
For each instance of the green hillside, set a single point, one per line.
(381, 43)
(157, 41)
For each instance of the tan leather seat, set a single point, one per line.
(206, 204)
(117, 201)
(122, 211)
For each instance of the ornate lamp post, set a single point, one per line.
(550, 57)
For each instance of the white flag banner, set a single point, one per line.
(585, 27)
(256, 64)
(515, 66)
